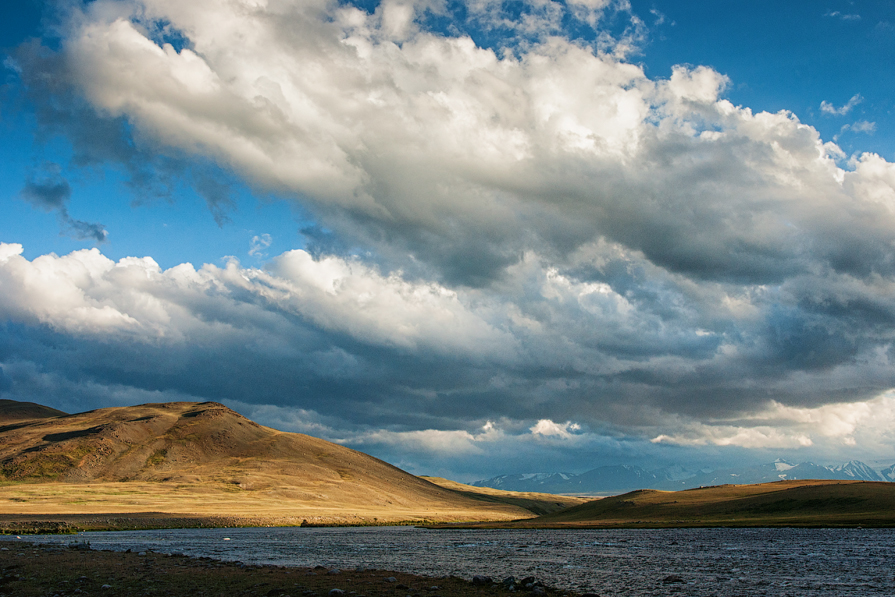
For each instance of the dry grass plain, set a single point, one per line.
(134, 504)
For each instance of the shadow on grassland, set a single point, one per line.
(805, 503)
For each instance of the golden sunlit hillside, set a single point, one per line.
(203, 460)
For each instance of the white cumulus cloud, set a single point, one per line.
(828, 108)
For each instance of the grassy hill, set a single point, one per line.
(783, 503)
(205, 460)
(12, 411)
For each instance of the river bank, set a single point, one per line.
(47, 524)
(28, 569)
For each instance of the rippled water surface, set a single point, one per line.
(723, 562)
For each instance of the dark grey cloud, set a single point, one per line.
(49, 369)
(83, 230)
(598, 357)
(47, 190)
(320, 242)
(216, 192)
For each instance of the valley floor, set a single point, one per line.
(37, 507)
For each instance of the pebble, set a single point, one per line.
(672, 578)
(334, 571)
(336, 593)
(391, 579)
(481, 580)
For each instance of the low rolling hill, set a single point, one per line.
(538, 503)
(783, 503)
(205, 460)
(12, 411)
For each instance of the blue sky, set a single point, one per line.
(471, 238)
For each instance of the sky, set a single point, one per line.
(470, 238)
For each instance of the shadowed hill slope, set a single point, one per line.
(783, 503)
(205, 457)
(12, 411)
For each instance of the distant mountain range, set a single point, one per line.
(609, 480)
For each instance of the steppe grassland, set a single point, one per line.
(223, 500)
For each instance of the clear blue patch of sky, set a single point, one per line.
(19, 19)
(171, 232)
(788, 55)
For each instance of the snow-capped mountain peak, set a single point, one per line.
(782, 465)
(858, 470)
(608, 480)
(888, 473)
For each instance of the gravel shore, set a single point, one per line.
(28, 569)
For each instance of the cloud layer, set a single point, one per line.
(420, 143)
(552, 240)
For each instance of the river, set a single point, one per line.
(698, 562)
